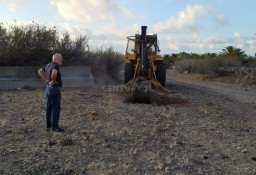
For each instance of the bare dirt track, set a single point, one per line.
(213, 133)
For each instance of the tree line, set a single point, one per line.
(229, 53)
(34, 44)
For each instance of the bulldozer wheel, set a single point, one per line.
(128, 72)
(161, 73)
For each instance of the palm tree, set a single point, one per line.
(194, 55)
(232, 51)
(184, 55)
(209, 55)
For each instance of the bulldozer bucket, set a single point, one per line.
(139, 90)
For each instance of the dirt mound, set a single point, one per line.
(150, 97)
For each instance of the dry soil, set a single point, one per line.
(213, 132)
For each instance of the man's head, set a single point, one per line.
(57, 58)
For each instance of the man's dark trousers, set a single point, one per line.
(53, 106)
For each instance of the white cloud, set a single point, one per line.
(237, 34)
(221, 20)
(74, 30)
(240, 41)
(202, 44)
(14, 5)
(192, 20)
(172, 45)
(89, 10)
(111, 35)
(105, 39)
(184, 22)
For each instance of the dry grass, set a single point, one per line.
(208, 66)
(209, 135)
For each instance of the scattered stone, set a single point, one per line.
(244, 150)
(51, 142)
(1, 134)
(160, 167)
(253, 158)
(67, 142)
(180, 143)
(28, 88)
(91, 113)
(224, 157)
(205, 157)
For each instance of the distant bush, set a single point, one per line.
(105, 61)
(34, 44)
(184, 65)
(169, 60)
(249, 62)
(230, 61)
(206, 65)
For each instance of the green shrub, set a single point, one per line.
(106, 61)
(229, 61)
(185, 64)
(34, 44)
(249, 62)
(75, 51)
(207, 65)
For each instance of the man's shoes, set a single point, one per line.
(48, 128)
(58, 129)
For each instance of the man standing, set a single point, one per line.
(52, 77)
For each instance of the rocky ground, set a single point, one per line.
(211, 131)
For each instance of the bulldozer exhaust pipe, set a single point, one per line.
(143, 47)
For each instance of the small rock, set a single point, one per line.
(224, 157)
(244, 150)
(253, 158)
(160, 167)
(51, 143)
(1, 134)
(205, 157)
(67, 142)
(180, 143)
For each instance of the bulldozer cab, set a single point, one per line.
(134, 42)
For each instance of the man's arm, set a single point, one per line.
(53, 76)
(42, 75)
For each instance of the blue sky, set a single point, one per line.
(198, 26)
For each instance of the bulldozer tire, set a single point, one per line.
(128, 72)
(161, 73)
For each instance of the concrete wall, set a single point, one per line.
(16, 77)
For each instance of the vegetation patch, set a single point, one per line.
(34, 44)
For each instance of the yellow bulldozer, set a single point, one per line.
(145, 71)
